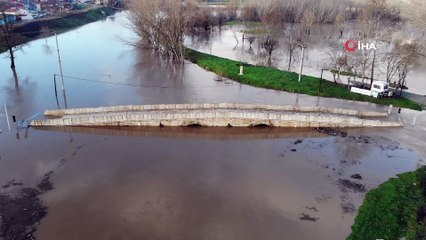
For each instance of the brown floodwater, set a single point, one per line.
(183, 183)
(217, 183)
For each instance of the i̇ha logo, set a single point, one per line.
(352, 45)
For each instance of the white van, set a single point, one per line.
(379, 89)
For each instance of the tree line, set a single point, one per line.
(162, 25)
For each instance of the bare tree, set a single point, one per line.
(251, 40)
(376, 15)
(8, 37)
(364, 57)
(201, 18)
(308, 19)
(338, 60)
(292, 38)
(292, 10)
(221, 16)
(415, 10)
(250, 13)
(391, 61)
(341, 20)
(298, 11)
(231, 12)
(358, 64)
(269, 43)
(407, 54)
(271, 14)
(326, 10)
(161, 26)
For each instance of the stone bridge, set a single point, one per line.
(217, 115)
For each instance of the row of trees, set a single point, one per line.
(371, 21)
(287, 24)
(162, 25)
(309, 12)
(393, 60)
(157, 20)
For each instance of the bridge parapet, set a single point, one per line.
(213, 106)
(217, 114)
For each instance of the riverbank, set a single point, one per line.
(46, 27)
(395, 209)
(272, 78)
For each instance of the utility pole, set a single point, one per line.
(60, 63)
(211, 40)
(301, 62)
(372, 67)
(242, 59)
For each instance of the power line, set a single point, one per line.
(52, 31)
(134, 85)
(28, 32)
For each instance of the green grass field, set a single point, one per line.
(245, 23)
(267, 77)
(393, 210)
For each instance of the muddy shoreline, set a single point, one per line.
(21, 208)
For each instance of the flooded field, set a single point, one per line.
(177, 183)
(227, 43)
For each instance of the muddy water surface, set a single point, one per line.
(107, 186)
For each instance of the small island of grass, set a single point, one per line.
(396, 209)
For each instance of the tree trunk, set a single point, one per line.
(12, 58)
(338, 76)
(373, 63)
(270, 59)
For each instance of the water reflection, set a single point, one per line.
(152, 69)
(15, 77)
(19, 95)
(47, 49)
(178, 132)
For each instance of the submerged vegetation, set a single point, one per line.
(395, 209)
(268, 77)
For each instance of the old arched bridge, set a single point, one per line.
(218, 114)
